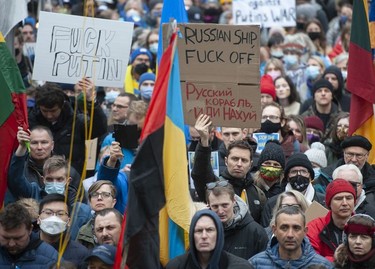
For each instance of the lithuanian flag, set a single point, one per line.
(361, 75)
(13, 111)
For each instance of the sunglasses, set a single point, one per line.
(221, 183)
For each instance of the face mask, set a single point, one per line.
(316, 172)
(342, 133)
(344, 74)
(277, 54)
(274, 74)
(313, 138)
(290, 60)
(111, 96)
(299, 183)
(270, 173)
(154, 48)
(270, 127)
(314, 35)
(55, 187)
(300, 25)
(312, 72)
(17, 51)
(146, 92)
(132, 13)
(343, 20)
(52, 225)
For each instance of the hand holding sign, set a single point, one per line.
(202, 125)
(115, 154)
(86, 85)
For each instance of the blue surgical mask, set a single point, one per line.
(312, 72)
(290, 60)
(55, 187)
(277, 54)
(111, 96)
(316, 172)
(146, 92)
(154, 48)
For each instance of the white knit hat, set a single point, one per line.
(316, 154)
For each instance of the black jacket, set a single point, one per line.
(202, 174)
(62, 131)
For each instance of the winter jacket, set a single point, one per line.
(271, 259)
(36, 255)
(86, 236)
(243, 236)
(321, 236)
(219, 258)
(119, 180)
(62, 130)
(202, 174)
(128, 153)
(20, 187)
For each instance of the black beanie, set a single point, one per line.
(356, 141)
(298, 159)
(321, 83)
(272, 151)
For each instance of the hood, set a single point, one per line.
(215, 257)
(240, 210)
(337, 72)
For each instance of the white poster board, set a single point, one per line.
(262, 138)
(214, 164)
(266, 13)
(71, 47)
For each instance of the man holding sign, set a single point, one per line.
(238, 163)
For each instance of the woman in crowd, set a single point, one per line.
(287, 95)
(297, 125)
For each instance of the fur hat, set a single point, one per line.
(267, 86)
(298, 159)
(272, 151)
(356, 141)
(316, 154)
(336, 186)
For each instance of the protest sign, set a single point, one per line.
(262, 138)
(219, 72)
(267, 13)
(214, 164)
(71, 47)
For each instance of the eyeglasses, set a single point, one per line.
(103, 194)
(358, 156)
(119, 106)
(304, 173)
(272, 118)
(50, 213)
(221, 183)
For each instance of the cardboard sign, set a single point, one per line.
(314, 211)
(219, 72)
(262, 139)
(266, 13)
(91, 146)
(71, 47)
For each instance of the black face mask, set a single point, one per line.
(314, 35)
(270, 127)
(17, 51)
(300, 25)
(299, 183)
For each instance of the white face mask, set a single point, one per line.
(52, 225)
(154, 48)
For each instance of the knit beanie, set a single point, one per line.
(146, 76)
(138, 52)
(267, 86)
(321, 83)
(272, 151)
(314, 122)
(336, 186)
(356, 141)
(298, 159)
(316, 154)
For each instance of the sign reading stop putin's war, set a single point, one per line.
(219, 72)
(71, 47)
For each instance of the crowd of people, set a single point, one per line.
(252, 209)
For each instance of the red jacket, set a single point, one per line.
(319, 236)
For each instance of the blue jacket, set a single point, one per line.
(128, 153)
(270, 257)
(119, 179)
(37, 254)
